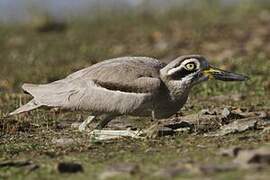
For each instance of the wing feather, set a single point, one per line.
(127, 74)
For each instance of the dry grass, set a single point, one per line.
(234, 38)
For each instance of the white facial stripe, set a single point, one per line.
(173, 70)
(191, 60)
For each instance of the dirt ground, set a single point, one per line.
(221, 133)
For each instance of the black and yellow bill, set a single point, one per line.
(219, 74)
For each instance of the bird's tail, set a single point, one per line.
(52, 95)
(33, 104)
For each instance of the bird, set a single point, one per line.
(135, 86)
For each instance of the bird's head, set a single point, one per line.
(189, 70)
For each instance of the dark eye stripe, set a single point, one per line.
(181, 73)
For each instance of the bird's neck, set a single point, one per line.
(177, 90)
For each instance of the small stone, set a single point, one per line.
(259, 156)
(236, 127)
(119, 169)
(226, 112)
(233, 114)
(68, 167)
(230, 152)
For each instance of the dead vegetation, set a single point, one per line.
(221, 133)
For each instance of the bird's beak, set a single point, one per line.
(222, 75)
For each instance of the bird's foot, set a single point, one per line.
(84, 125)
(153, 130)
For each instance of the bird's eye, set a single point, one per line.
(190, 66)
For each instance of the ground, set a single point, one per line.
(232, 38)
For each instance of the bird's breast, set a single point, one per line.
(168, 109)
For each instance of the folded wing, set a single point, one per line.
(117, 85)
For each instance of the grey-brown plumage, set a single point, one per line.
(139, 86)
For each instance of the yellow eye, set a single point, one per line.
(190, 66)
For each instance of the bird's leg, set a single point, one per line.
(153, 115)
(105, 119)
(152, 131)
(83, 126)
(99, 134)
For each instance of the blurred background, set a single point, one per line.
(44, 40)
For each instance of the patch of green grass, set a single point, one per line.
(149, 155)
(233, 38)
